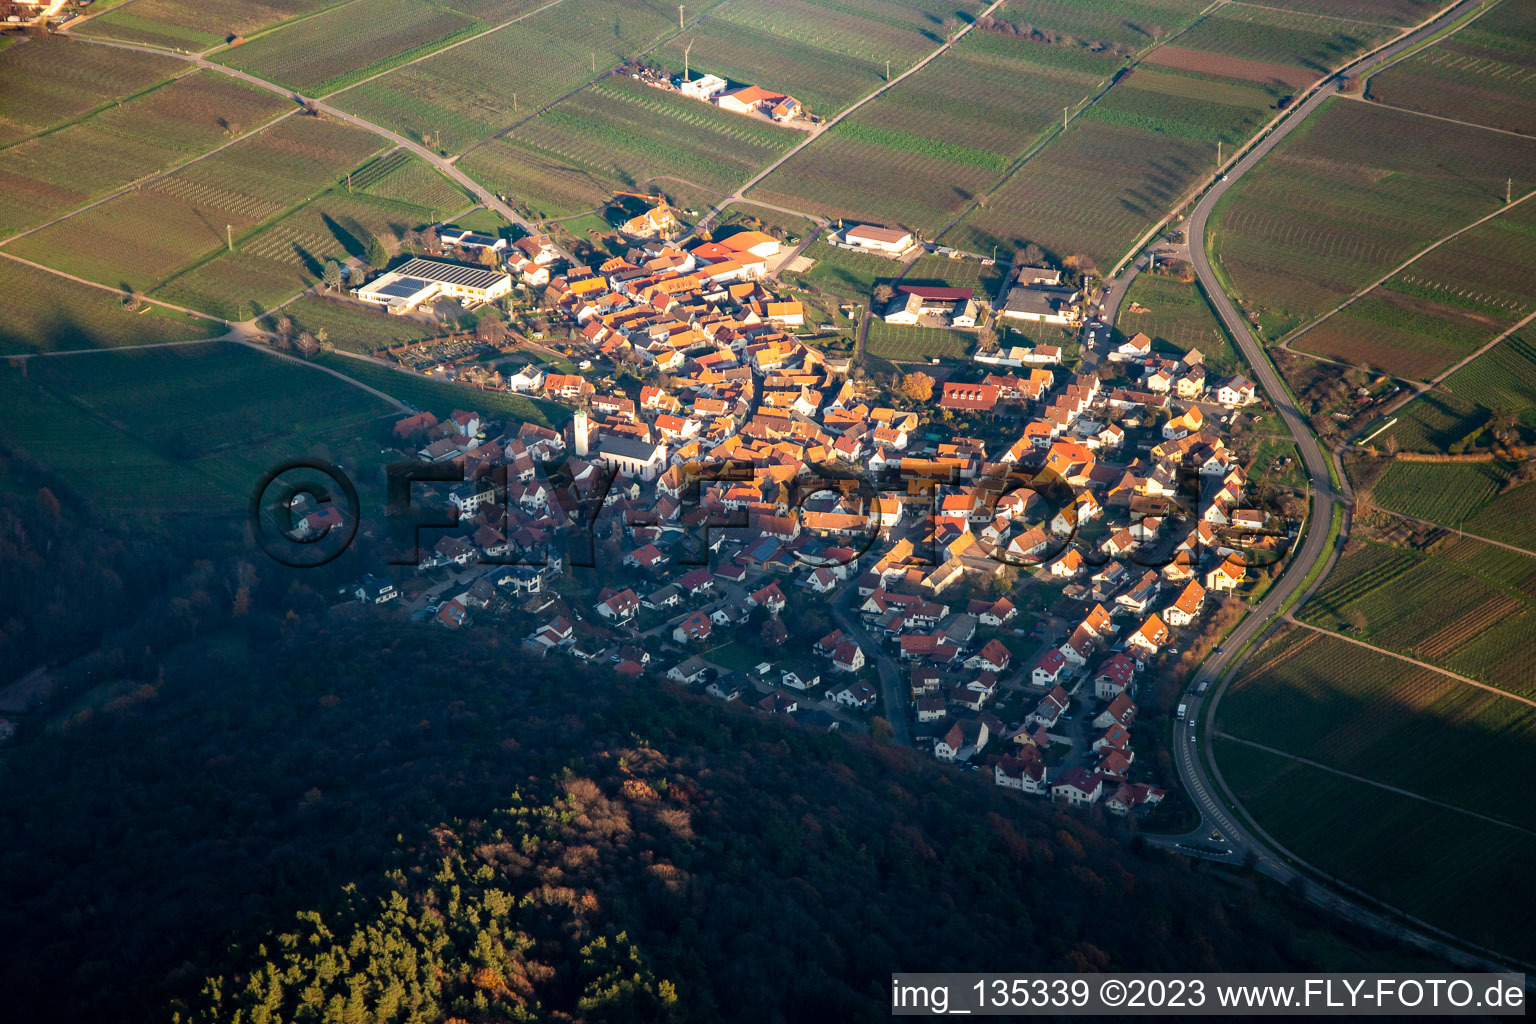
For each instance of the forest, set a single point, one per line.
(242, 805)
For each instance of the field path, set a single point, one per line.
(134, 186)
(1396, 404)
(115, 291)
(1459, 531)
(1286, 341)
(1372, 782)
(1414, 661)
(1362, 98)
(816, 133)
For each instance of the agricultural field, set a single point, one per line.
(1350, 194)
(352, 327)
(101, 421)
(441, 397)
(1447, 612)
(902, 343)
(901, 31)
(52, 173)
(1502, 379)
(272, 264)
(823, 80)
(1409, 853)
(50, 80)
(196, 25)
(1404, 335)
(1178, 319)
(455, 99)
(1483, 73)
(942, 271)
(1126, 24)
(1469, 496)
(1448, 493)
(138, 239)
(1360, 712)
(920, 153)
(1393, 12)
(618, 134)
(1443, 306)
(48, 313)
(842, 273)
(1314, 43)
(318, 55)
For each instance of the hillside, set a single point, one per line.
(429, 827)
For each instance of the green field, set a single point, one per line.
(901, 343)
(1395, 12)
(48, 313)
(901, 31)
(177, 431)
(983, 280)
(1481, 74)
(1352, 709)
(139, 239)
(1411, 854)
(1178, 319)
(1403, 335)
(842, 273)
(50, 80)
(352, 327)
(441, 397)
(617, 135)
(920, 152)
(196, 24)
(338, 47)
(1468, 496)
(1348, 195)
(460, 97)
(1459, 613)
(1501, 380)
(55, 172)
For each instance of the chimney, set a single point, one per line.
(579, 433)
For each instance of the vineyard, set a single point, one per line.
(49, 80)
(1412, 854)
(822, 80)
(1349, 194)
(1130, 23)
(1395, 12)
(1485, 270)
(140, 238)
(620, 132)
(1482, 73)
(466, 94)
(1432, 609)
(50, 174)
(324, 53)
(442, 398)
(1447, 493)
(1502, 378)
(901, 343)
(848, 275)
(196, 24)
(1350, 708)
(1314, 42)
(45, 313)
(406, 179)
(224, 395)
(919, 153)
(901, 31)
(1401, 334)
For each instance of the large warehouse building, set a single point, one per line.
(417, 281)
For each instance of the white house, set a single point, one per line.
(703, 88)
(877, 239)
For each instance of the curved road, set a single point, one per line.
(1237, 837)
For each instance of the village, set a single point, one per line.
(760, 522)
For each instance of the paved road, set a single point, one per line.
(1267, 855)
(892, 690)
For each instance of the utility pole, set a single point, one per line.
(680, 17)
(1218, 154)
(349, 183)
(514, 103)
(229, 238)
(686, 50)
(594, 62)
(1509, 183)
(887, 69)
(1064, 118)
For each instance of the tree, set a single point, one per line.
(917, 386)
(488, 258)
(986, 338)
(331, 275)
(490, 329)
(430, 240)
(378, 256)
(284, 326)
(1032, 255)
